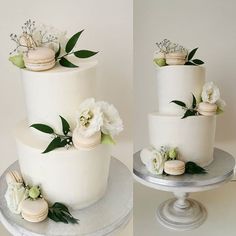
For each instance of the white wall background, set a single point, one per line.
(209, 25)
(108, 28)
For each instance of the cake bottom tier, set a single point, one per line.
(77, 178)
(194, 136)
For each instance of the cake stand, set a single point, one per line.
(183, 213)
(106, 217)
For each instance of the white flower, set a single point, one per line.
(15, 195)
(89, 118)
(153, 160)
(112, 123)
(210, 93)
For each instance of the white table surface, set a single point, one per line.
(220, 204)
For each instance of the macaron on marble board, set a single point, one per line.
(39, 59)
(174, 167)
(34, 210)
(207, 109)
(175, 58)
(14, 176)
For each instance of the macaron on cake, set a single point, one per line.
(174, 167)
(175, 58)
(34, 210)
(14, 176)
(39, 59)
(207, 109)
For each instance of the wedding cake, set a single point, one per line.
(64, 143)
(184, 126)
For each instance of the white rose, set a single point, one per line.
(112, 123)
(15, 195)
(89, 118)
(210, 93)
(153, 160)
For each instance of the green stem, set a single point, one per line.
(69, 53)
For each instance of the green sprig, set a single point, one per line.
(191, 61)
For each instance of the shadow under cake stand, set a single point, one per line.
(183, 213)
(106, 217)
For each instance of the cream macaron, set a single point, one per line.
(13, 176)
(175, 58)
(86, 142)
(174, 167)
(39, 59)
(34, 210)
(207, 109)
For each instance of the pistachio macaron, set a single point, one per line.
(39, 59)
(175, 58)
(174, 167)
(207, 109)
(13, 176)
(86, 142)
(34, 210)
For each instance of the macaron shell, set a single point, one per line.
(174, 167)
(175, 61)
(207, 113)
(40, 66)
(208, 107)
(39, 55)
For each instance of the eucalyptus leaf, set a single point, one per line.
(198, 61)
(58, 52)
(43, 128)
(193, 168)
(55, 143)
(194, 103)
(72, 41)
(192, 53)
(64, 62)
(65, 126)
(84, 53)
(189, 113)
(182, 104)
(107, 139)
(190, 63)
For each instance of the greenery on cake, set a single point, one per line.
(210, 102)
(97, 123)
(170, 53)
(33, 36)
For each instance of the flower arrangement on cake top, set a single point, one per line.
(210, 104)
(98, 122)
(39, 47)
(170, 53)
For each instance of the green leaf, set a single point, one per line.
(56, 143)
(197, 62)
(65, 126)
(17, 60)
(194, 103)
(64, 62)
(43, 128)
(182, 104)
(189, 113)
(107, 139)
(84, 53)
(65, 142)
(193, 168)
(192, 53)
(190, 63)
(60, 213)
(58, 52)
(72, 41)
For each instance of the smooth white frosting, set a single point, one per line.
(193, 136)
(178, 83)
(75, 177)
(58, 91)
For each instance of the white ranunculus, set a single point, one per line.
(210, 93)
(153, 160)
(15, 195)
(89, 118)
(112, 123)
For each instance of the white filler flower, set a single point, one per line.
(153, 160)
(90, 118)
(15, 195)
(112, 123)
(210, 93)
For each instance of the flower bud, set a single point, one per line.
(172, 153)
(34, 192)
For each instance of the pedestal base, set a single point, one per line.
(181, 213)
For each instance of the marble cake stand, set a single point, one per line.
(106, 217)
(183, 213)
